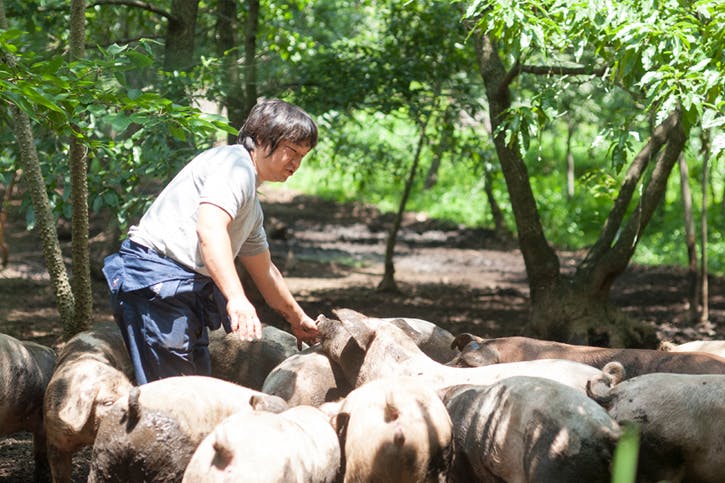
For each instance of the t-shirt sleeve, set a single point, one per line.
(256, 242)
(229, 188)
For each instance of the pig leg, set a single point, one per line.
(61, 464)
(40, 455)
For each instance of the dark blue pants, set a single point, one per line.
(166, 336)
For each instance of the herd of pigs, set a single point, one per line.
(377, 400)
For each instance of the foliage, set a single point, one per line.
(624, 463)
(369, 72)
(666, 54)
(127, 130)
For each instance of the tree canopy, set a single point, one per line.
(466, 109)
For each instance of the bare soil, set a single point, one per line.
(331, 254)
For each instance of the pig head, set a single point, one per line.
(93, 371)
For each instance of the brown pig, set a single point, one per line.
(298, 445)
(476, 351)
(25, 369)
(151, 435)
(92, 372)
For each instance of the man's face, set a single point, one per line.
(282, 163)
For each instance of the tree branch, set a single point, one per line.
(519, 68)
(615, 246)
(135, 4)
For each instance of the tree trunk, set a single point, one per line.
(180, 35)
(577, 309)
(500, 228)
(35, 185)
(228, 50)
(387, 284)
(7, 196)
(569, 160)
(250, 56)
(704, 288)
(81, 273)
(432, 177)
(542, 263)
(690, 241)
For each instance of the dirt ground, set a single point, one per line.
(331, 254)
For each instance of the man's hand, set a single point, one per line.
(306, 331)
(243, 319)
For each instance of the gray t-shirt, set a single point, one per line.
(223, 176)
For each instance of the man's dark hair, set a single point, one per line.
(271, 121)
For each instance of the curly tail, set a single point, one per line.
(599, 387)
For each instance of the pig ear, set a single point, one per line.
(405, 327)
(361, 327)
(361, 332)
(477, 356)
(268, 402)
(462, 340)
(339, 422)
(77, 409)
(330, 409)
(349, 315)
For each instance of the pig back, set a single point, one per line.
(25, 370)
(151, 434)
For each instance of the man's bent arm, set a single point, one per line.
(216, 250)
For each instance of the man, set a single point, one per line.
(175, 276)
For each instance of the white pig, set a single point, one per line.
(368, 352)
(298, 445)
(716, 347)
(152, 434)
(92, 372)
(393, 430)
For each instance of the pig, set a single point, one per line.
(476, 351)
(307, 378)
(151, 434)
(92, 372)
(529, 429)
(310, 378)
(435, 342)
(366, 352)
(716, 347)
(25, 370)
(298, 445)
(393, 430)
(679, 417)
(249, 363)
